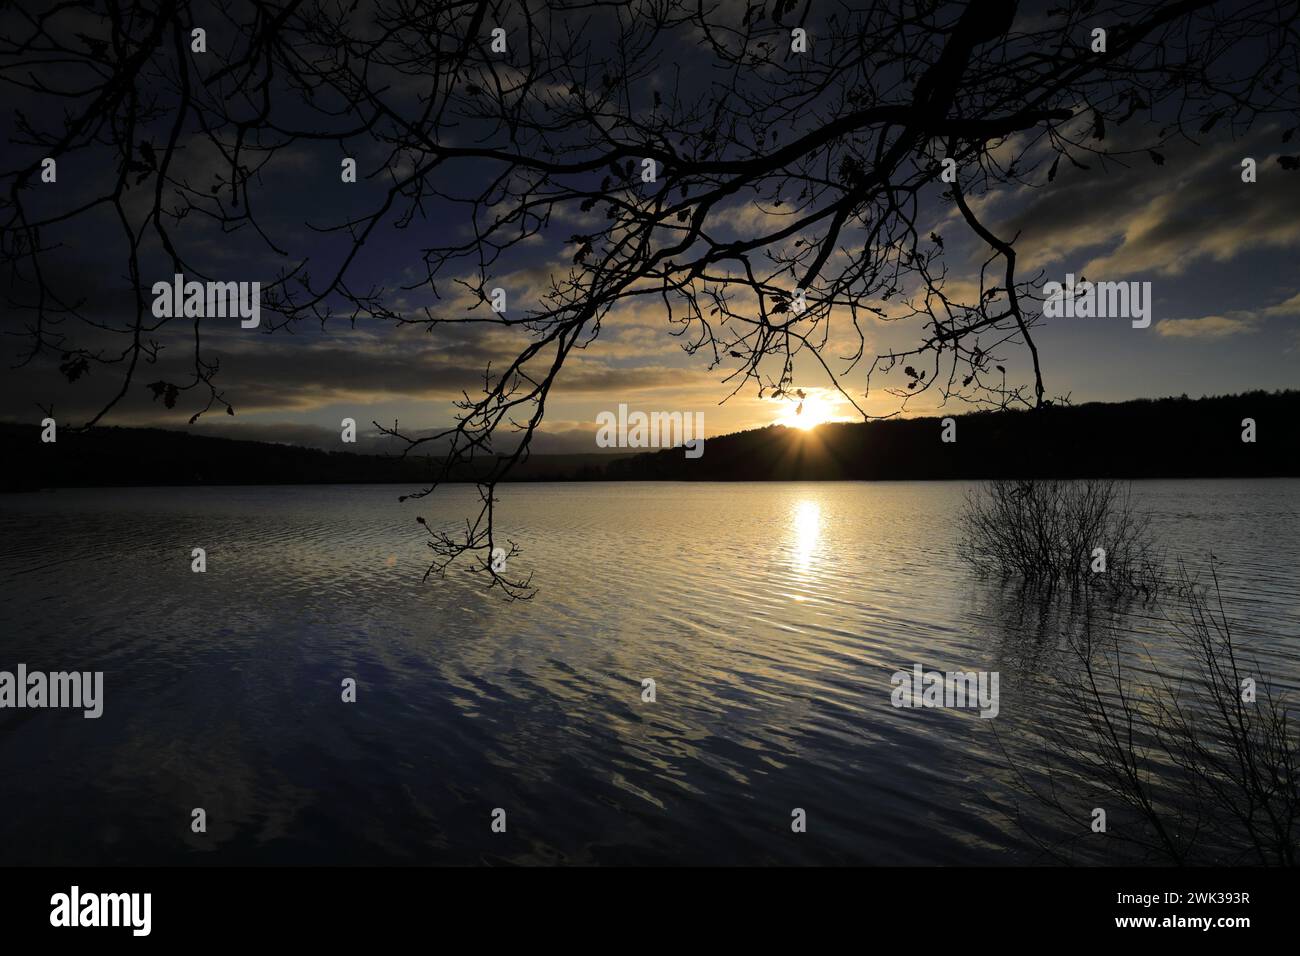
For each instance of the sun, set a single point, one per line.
(807, 414)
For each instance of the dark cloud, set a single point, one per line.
(1149, 219)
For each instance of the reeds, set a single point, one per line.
(1201, 767)
(1079, 534)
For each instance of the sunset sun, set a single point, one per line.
(815, 409)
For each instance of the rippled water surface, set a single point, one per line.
(771, 617)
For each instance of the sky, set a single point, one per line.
(1220, 255)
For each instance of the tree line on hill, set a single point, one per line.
(1144, 438)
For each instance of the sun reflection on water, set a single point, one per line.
(807, 518)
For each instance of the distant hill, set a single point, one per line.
(1162, 438)
(113, 456)
(1145, 438)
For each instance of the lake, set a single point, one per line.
(770, 616)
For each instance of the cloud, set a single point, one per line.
(1136, 221)
(1234, 323)
(1290, 306)
(1206, 327)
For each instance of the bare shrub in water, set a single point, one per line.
(1204, 769)
(1045, 534)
